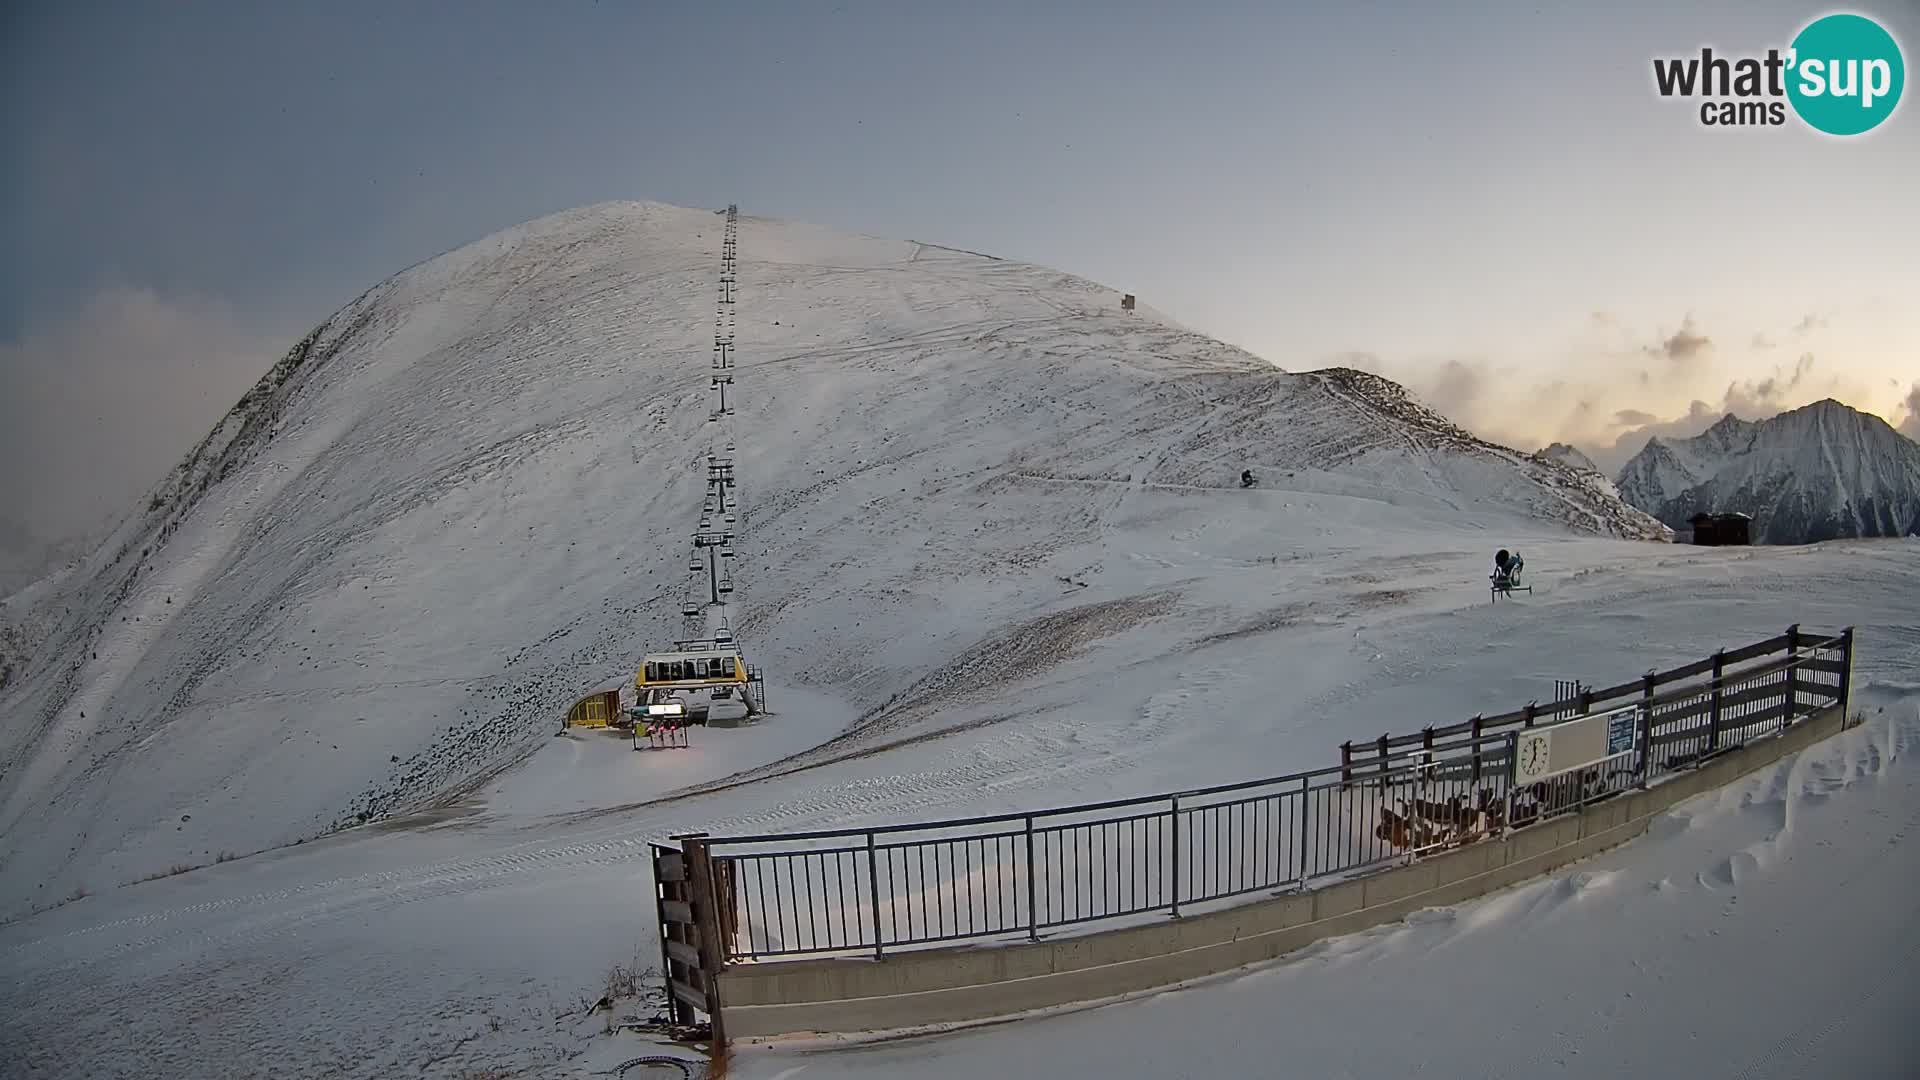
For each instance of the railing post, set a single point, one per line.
(1645, 725)
(1033, 909)
(1846, 673)
(873, 889)
(1713, 711)
(1793, 675)
(713, 951)
(1513, 773)
(1346, 764)
(1532, 709)
(1173, 822)
(1383, 760)
(1476, 750)
(1306, 804)
(679, 1011)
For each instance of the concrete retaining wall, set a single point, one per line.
(949, 985)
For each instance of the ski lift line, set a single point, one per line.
(715, 498)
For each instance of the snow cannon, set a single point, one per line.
(1506, 575)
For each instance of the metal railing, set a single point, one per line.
(1015, 876)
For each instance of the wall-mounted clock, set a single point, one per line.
(1533, 755)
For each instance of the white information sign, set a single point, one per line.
(1579, 743)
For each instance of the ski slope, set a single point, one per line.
(394, 950)
(464, 500)
(992, 557)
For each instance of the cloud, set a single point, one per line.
(14, 534)
(1609, 391)
(1910, 426)
(1457, 387)
(1581, 404)
(1771, 395)
(1641, 426)
(106, 400)
(1684, 345)
(1505, 405)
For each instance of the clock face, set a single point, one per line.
(1533, 756)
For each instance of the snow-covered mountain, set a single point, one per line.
(464, 500)
(1819, 472)
(1570, 456)
(1573, 458)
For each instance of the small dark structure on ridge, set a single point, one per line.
(1717, 530)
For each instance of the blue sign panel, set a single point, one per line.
(1620, 728)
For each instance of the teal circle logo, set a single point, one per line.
(1845, 74)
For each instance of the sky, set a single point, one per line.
(1493, 207)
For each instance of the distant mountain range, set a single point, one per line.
(1821, 472)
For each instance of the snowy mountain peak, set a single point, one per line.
(1657, 469)
(1818, 472)
(1728, 430)
(1567, 455)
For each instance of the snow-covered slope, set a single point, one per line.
(1358, 423)
(464, 500)
(1815, 473)
(473, 941)
(1639, 946)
